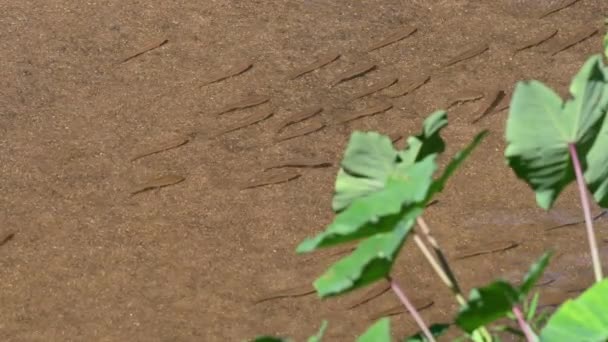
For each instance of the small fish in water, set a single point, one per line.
(165, 146)
(537, 40)
(494, 98)
(297, 291)
(376, 291)
(557, 8)
(575, 39)
(467, 54)
(158, 183)
(366, 112)
(380, 85)
(465, 96)
(247, 102)
(394, 37)
(321, 62)
(234, 70)
(408, 87)
(354, 72)
(299, 162)
(270, 178)
(312, 127)
(299, 117)
(248, 121)
(487, 248)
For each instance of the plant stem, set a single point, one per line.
(411, 309)
(438, 269)
(530, 336)
(595, 257)
(443, 271)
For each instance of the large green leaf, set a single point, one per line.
(541, 126)
(371, 261)
(492, 302)
(487, 304)
(370, 160)
(583, 319)
(380, 331)
(403, 197)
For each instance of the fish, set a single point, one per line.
(6, 236)
(487, 248)
(248, 121)
(491, 102)
(158, 183)
(557, 8)
(380, 85)
(247, 102)
(537, 40)
(319, 63)
(354, 72)
(473, 51)
(419, 303)
(312, 127)
(466, 95)
(233, 70)
(270, 178)
(299, 162)
(297, 291)
(394, 37)
(580, 36)
(298, 117)
(366, 112)
(410, 86)
(150, 47)
(375, 291)
(164, 146)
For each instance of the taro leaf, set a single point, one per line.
(535, 272)
(582, 319)
(428, 142)
(606, 41)
(319, 335)
(371, 261)
(436, 330)
(378, 332)
(487, 304)
(456, 161)
(370, 160)
(270, 339)
(379, 212)
(596, 175)
(540, 127)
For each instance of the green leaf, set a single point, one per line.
(436, 330)
(486, 305)
(582, 319)
(531, 311)
(540, 127)
(606, 44)
(535, 272)
(378, 332)
(270, 339)
(456, 161)
(319, 335)
(370, 160)
(403, 197)
(428, 142)
(371, 261)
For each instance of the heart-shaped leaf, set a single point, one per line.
(371, 261)
(370, 160)
(436, 330)
(380, 211)
(380, 331)
(541, 126)
(582, 319)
